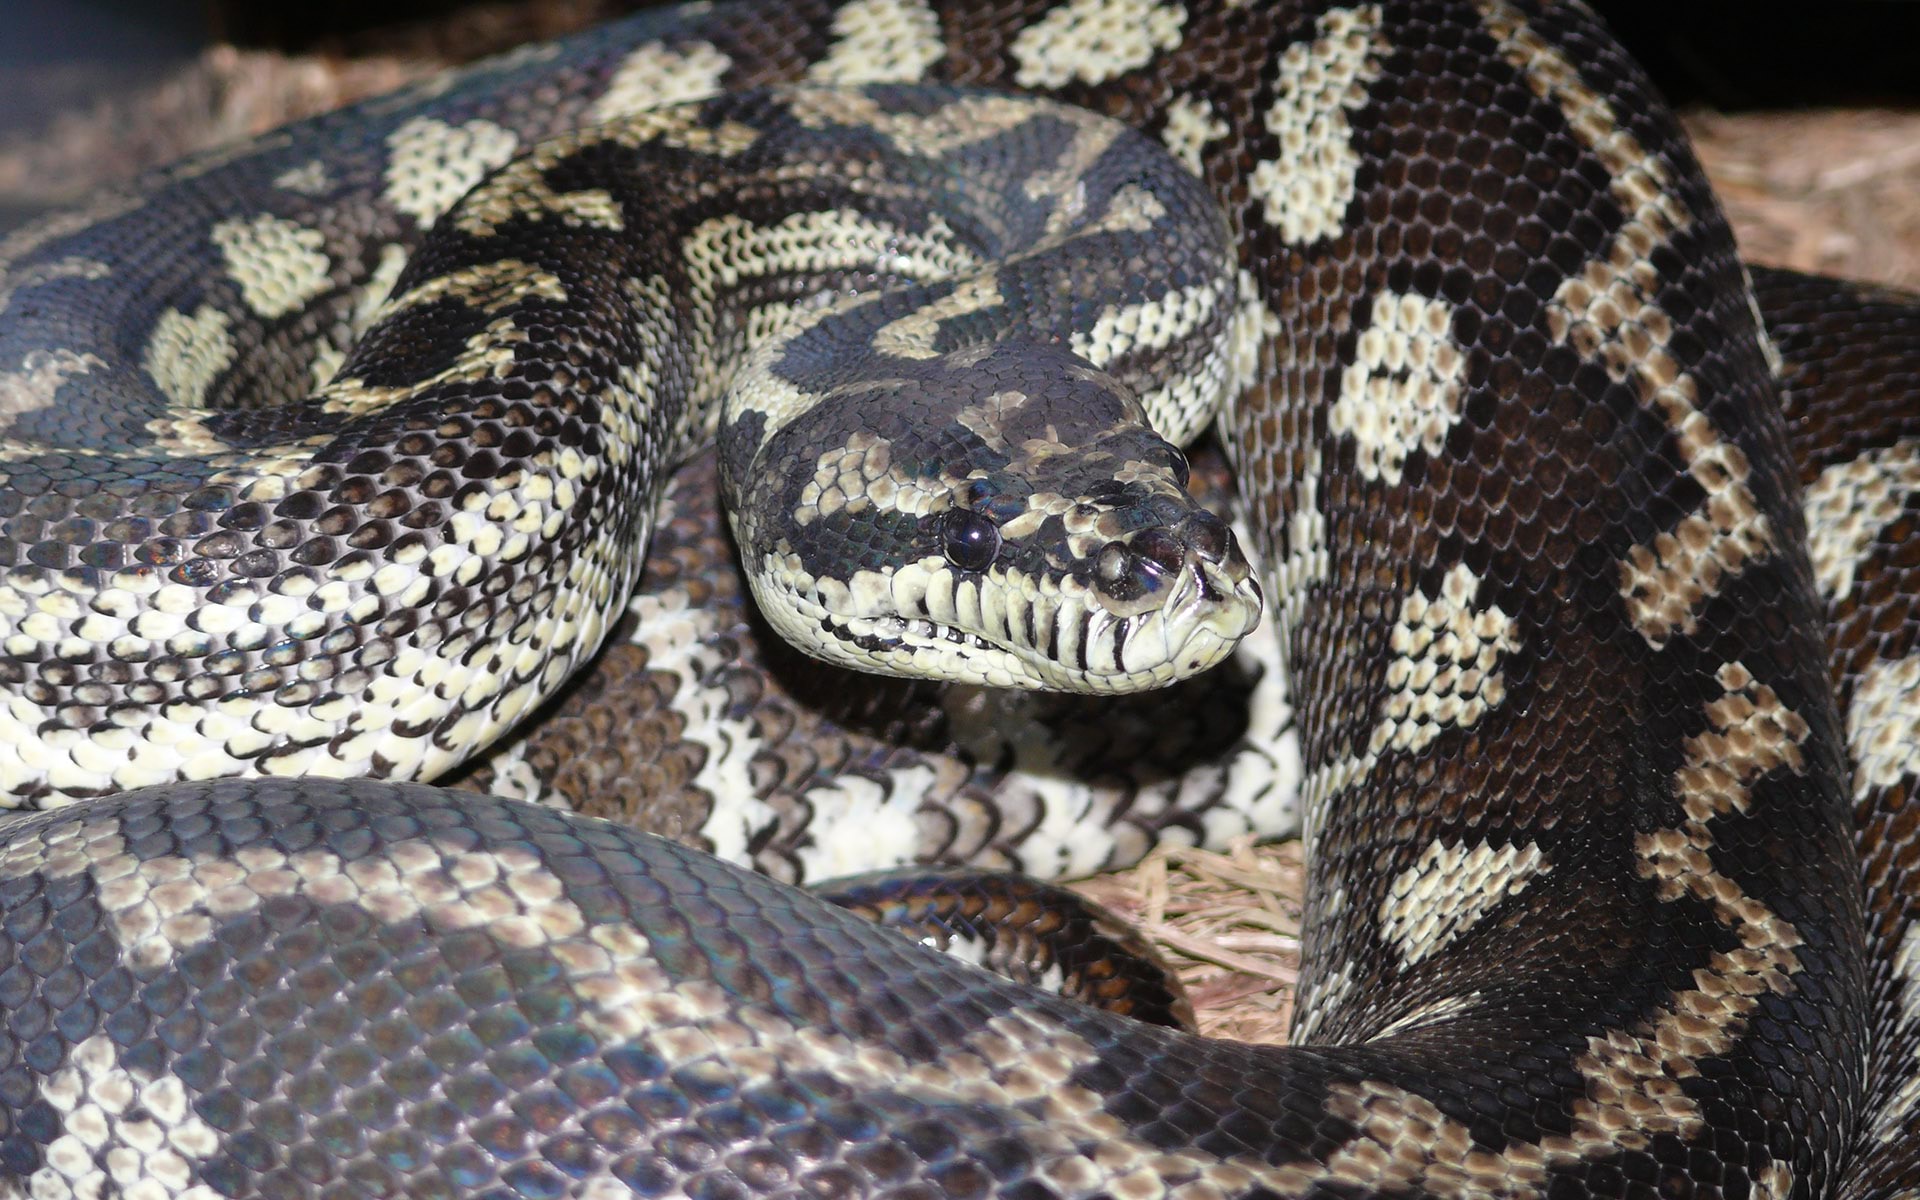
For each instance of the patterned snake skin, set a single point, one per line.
(1583, 906)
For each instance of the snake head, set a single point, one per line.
(1003, 515)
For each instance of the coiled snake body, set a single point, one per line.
(1585, 905)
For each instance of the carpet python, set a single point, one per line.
(1566, 553)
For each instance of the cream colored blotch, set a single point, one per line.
(1094, 40)
(881, 41)
(655, 74)
(431, 164)
(1305, 190)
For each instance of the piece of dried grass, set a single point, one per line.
(1228, 923)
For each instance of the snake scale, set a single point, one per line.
(1567, 556)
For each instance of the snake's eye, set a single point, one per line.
(970, 540)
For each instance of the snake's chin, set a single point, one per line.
(1081, 648)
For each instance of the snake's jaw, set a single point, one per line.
(1077, 645)
(1144, 610)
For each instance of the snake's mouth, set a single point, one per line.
(1018, 633)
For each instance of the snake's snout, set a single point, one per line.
(1221, 572)
(1197, 554)
(1225, 596)
(1176, 597)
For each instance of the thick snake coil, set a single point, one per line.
(1585, 904)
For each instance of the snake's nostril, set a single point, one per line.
(1127, 570)
(1160, 547)
(1208, 535)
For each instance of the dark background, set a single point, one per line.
(1729, 54)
